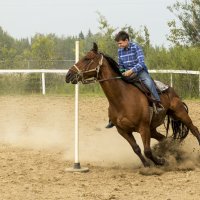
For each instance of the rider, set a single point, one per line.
(131, 58)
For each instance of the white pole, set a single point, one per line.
(43, 84)
(77, 167)
(77, 164)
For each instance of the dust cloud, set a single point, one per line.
(47, 123)
(179, 156)
(37, 122)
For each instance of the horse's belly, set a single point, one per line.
(126, 119)
(125, 123)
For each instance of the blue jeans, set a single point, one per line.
(146, 79)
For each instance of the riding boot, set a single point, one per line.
(110, 124)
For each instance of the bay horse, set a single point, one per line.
(128, 107)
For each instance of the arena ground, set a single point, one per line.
(36, 146)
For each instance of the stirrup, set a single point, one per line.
(158, 107)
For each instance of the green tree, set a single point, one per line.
(81, 36)
(187, 30)
(89, 34)
(6, 40)
(106, 37)
(43, 47)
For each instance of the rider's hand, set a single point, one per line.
(128, 72)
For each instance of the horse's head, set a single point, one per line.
(86, 69)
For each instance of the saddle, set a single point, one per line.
(160, 87)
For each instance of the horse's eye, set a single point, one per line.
(87, 59)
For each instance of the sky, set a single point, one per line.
(25, 18)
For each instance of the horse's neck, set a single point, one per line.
(113, 88)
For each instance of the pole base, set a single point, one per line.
(77, 168)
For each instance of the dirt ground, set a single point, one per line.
(37, 145)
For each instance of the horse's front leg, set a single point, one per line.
(146, 137)
(131, 140)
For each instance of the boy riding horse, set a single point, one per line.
(131, 59)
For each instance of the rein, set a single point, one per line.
(108, 79)
(95, 78)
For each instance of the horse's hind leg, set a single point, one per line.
(180, 112)
(156, 135)
(131, 140)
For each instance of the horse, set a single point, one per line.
(129, 108)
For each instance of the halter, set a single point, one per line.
(96, 69)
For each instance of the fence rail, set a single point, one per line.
(30, 71)
(171, 72)
(64, 71)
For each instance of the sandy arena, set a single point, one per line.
(37, 145)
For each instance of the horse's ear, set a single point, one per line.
(95, 47)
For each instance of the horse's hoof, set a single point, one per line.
(146, 164)
(160, 161)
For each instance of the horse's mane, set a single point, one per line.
(114, 65)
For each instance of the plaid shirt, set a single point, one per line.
(132, 57)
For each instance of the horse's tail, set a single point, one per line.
(179, 129)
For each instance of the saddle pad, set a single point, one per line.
(161, 86)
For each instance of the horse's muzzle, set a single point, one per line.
(71, 77)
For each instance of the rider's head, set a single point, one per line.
(122, 39)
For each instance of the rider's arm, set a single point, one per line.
(140, 60)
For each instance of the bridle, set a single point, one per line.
(81, 73)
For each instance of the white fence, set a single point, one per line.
(171, 72)
(62, 71)
(38, 71)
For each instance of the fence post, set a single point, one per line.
(171, 80)
(43, 84)
(199, 83)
